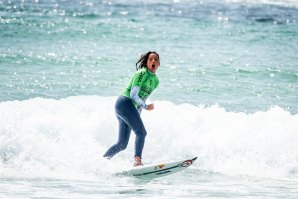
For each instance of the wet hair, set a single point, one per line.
(142, 62)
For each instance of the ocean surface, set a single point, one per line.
(228, 94)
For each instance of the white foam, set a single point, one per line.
(48, 137)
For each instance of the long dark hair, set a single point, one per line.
(142, 63)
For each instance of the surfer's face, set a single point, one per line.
(153, 62)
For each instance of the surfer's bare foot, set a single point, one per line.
(138, 161)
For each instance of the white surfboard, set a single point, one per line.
(158, 170)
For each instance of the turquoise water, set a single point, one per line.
(227, 94)
(240, 56)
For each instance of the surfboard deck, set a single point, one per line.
(158, 170)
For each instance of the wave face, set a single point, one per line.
(47, 137)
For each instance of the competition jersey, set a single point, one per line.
(144, 79)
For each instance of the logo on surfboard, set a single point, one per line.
(186, 163)
(160, 166)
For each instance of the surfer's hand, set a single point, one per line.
(150, 107)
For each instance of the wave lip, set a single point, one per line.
(70, 135)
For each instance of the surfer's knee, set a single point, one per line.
(142, 133)
(122, 146)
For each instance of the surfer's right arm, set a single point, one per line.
(134, 95)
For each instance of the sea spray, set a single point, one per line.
(71, 135)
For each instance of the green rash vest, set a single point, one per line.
(144, 79)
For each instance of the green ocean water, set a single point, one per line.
(227, 95)
(242, 57)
